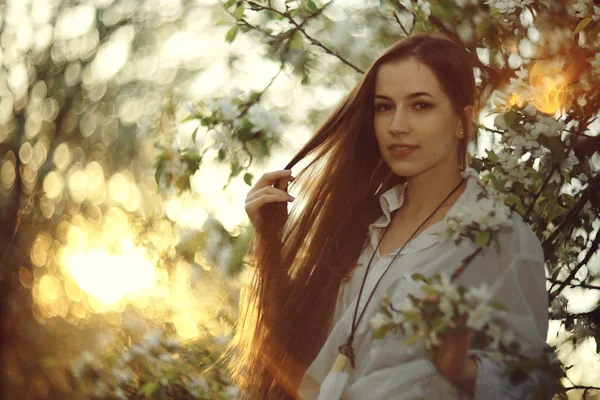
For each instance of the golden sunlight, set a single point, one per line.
(550, 87)
(549, 92)
(110, 277)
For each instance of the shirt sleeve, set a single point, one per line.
(493, 384)
(518, 280)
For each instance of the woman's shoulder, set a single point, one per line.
(521, 239)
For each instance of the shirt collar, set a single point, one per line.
(393, 198)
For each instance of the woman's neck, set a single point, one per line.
(425, 193)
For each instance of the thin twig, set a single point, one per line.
(299, 27)
(574, 271)
(579, 285)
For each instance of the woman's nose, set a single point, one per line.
(399, 123)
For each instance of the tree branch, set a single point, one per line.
(300, 27)
(574, 271)
(579, 285)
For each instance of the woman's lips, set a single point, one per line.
(397, 152)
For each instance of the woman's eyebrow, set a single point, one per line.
(410, 96)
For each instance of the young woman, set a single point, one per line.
(382, 173)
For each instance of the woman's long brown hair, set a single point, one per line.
(302, 259)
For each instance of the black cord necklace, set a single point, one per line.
(346, 350)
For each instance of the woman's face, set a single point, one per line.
(410, 108)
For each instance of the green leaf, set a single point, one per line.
(418, 277)
(385, 311)
(148, 388)
(498, 306)
(312, 6)
(428, 290)
(159, 393)
(380, 332)
(498, 183)
(194, 134)
(235, 170)
(255, 95)
(160, 166)
(510, 117)
(221, 155)
(297, 41)
(239, 12)
(411, 340)
(254, 6)
(412, 316)
(482, 238)
(513, 199)
(248, 179)
(222, 22)
(231, 34)
(557, 147)
(493, 157)
(245, 133)
(229, 3)
(581, 25)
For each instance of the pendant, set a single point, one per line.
(347, 351)
(339, 364)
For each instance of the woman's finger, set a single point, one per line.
(269, 178)
(253, 206)
(264, 191)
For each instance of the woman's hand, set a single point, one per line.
(264, 192)
(452, 359)
(453, 362)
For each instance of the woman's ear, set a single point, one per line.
(469, 111)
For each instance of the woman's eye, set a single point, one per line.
(380, 107)
(425, 105)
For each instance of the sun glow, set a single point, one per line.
(110, 277)
(549, 89)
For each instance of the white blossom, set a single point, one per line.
(446, 288)
(487, 214)
(496, 333)
(567, 165)
(425, 7)
(152, 341)
(85, 361)
(191, 106)
(379, 320)
(529, 110)
(122, 375)
(225, 106)
(236, 92)
(165, 357)
(120, 393)
(263, 120)
(479, 294)
(137, 350)
(232, 391)
(507, 337)
(500, 122)
(479, 316)
(447, 308)
(197, 385)
(434, 339)
(586, 8)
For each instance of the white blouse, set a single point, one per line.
(385, 368)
